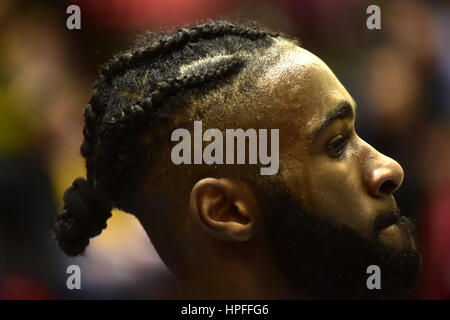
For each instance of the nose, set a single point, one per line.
(385, 177)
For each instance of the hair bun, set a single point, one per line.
(86, 210)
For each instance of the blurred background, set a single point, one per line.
(399, 76)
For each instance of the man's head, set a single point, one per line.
(311, 230)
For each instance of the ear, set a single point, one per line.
(226, 209)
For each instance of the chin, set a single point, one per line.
(398, 236)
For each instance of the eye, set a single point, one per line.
(336, 146)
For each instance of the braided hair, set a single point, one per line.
(136, 91)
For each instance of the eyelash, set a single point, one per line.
(338, 144)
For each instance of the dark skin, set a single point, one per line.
(326, 165)
(332, 168)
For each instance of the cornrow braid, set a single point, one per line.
(177, 40)
(139, 89)
(151, 111)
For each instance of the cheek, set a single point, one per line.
(336, 192)
(321, 183)
(333, 184)
(332, 188)
(338, 181)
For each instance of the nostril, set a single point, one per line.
(388, 187)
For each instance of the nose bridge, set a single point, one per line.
(383, 175)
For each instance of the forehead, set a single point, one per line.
(303, 88)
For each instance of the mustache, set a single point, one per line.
(387, 218)
(393, 216)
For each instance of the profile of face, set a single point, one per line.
(330, 212)
(337, 214)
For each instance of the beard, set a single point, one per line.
(327, 260)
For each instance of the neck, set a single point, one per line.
(228, 281)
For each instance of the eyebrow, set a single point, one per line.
(343, 110)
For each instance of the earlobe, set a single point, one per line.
(224, 209)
